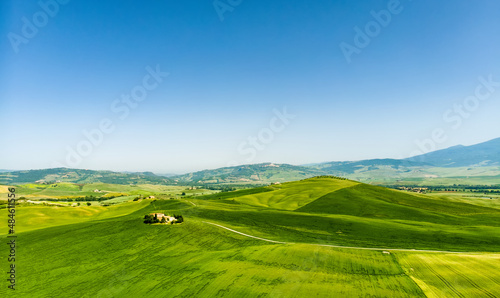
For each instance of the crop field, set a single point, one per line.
(490, 200)
(454, 275)
(320, 237)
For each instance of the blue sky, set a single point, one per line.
(227, 78)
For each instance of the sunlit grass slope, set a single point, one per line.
(452, 275)
(373, 201)
(355, 214)
(122, 257)
(292, 195)
(38, 217)
(110, 252)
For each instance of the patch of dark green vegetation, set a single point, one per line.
(234, 194)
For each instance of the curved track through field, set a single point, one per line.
(340, 246)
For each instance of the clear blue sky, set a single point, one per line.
(226, 77)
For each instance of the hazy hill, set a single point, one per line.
(79, 176)
(480, 160)
(483, 154)
(255, 174)
(442, 163)
(350, 167)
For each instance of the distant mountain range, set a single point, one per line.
(458, 161)
(483, 154)
(435, 164)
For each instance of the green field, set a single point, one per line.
(338, 238)
(110, 193)
(452, 275)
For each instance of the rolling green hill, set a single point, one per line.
(290, 196)
(369, 201)
(273, 241)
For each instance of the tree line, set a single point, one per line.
(82, 199)
(454, 188)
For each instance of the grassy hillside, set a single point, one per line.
(191, 260)
(452, 275)
(40, 217)
(377, 202)
(290, 196)
(194, 260)
(61, 249)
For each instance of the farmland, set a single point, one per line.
(106, 251)
(67, 193)
(452, 275)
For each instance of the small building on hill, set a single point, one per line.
(155, 218)
(168, 219)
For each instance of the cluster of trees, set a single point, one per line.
(467, 186)
(331, 176)
(179, 218)
(222, 188)
(151, 219)
(90, 198)
(486, 189)
(88, 204)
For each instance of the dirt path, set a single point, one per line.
(246, 235)
(191, 203)
(346, 247)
